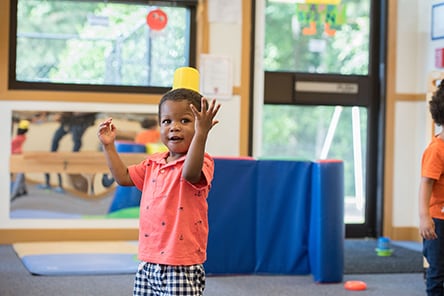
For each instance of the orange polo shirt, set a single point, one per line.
(433, 168)
(173, 226)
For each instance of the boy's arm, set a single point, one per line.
(204, 121)
(426, 224)
(107, 135)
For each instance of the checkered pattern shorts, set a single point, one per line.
(166, 280)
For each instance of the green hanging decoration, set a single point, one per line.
(321, 17)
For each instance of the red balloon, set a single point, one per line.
(157, 19)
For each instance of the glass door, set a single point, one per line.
(322, 132)
(320, 61)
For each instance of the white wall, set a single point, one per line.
(224, 138)
(407, 48)
(226, 40)
(410, 139)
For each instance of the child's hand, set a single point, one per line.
(107, 132)
(427, 228)
(205, 118)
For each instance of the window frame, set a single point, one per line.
(14, 84)
(279, 88)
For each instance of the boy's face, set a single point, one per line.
(176, 126)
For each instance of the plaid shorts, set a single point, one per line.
(166, 280)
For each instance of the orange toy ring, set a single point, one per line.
(355, 285)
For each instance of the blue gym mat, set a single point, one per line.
(81, 264)
(78, 258)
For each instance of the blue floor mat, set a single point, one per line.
(81, 264)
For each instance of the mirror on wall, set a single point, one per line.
(57, 169)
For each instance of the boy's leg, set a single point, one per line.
(58, 135)
(434, 253)
(77, 131)
(143, 285)
(18, 186)
(156, 279)
(185, 280)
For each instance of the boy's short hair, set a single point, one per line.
(436, 105)
(21, 131)
(182, 94)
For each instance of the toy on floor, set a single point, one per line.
(355, 285)
(383, 248)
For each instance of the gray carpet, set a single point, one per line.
(15, 280)
(360, 258)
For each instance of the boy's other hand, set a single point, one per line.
(107, 132)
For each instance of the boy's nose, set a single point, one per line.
(175, 126)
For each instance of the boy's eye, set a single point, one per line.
(185, 120)
(166, 121)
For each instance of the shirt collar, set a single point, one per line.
(161, 157)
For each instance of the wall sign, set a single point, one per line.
(326, 87)
(437, 21)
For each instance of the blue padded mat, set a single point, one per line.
(41, 214)
(81, 264)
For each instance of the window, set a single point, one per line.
(321, 63)
(128, 46)
(332, 37)
(322, 132)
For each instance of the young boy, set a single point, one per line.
(173, 226)
(431, 200)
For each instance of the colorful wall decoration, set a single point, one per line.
(317, 15)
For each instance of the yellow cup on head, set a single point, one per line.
(23, 124)
(186, 77)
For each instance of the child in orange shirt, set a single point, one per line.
(431, 200)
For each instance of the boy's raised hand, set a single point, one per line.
(205, 118)
(107, 132)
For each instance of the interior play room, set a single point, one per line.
(317, 152)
